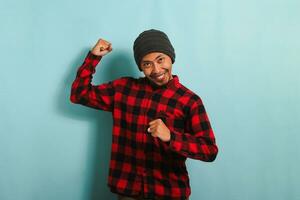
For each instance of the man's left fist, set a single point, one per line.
(157, 128)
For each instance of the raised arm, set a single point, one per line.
(82, 91)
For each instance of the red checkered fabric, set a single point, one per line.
(141, 163)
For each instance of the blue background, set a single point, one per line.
(240, 57)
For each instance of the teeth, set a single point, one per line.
(160, 77)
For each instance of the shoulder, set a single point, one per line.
(127, 82)
(124, 80)
(188, 97)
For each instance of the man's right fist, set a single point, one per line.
(102, 48)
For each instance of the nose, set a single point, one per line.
(156, 67)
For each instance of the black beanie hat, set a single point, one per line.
(152, 41)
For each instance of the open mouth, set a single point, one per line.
(159, 77)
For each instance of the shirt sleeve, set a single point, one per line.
(84, 93)
(199, 143)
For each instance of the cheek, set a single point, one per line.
(168, 67)
(147, 72)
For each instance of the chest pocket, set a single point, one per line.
(172, 122)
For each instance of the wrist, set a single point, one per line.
(94, 56)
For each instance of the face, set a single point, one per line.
(157, 67)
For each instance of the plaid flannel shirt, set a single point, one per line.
(141, 163)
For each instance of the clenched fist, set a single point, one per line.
(157, 128)
(102, 48)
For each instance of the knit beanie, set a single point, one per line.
(152, 41)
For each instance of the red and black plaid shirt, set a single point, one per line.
(140, 163)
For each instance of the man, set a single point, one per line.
(157, 122)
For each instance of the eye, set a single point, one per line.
(161, 60)
(146, 65)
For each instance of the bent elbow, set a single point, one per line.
(76, 98)
(78, 95)
(212, 158)
(73, 99)
(213, 154)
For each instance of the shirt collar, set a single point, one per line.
(173, 83)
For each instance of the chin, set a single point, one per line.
(161, 83)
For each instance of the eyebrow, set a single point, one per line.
(160, 55)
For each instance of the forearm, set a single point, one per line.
(197, 146)
(82, 85)
(197, 139)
